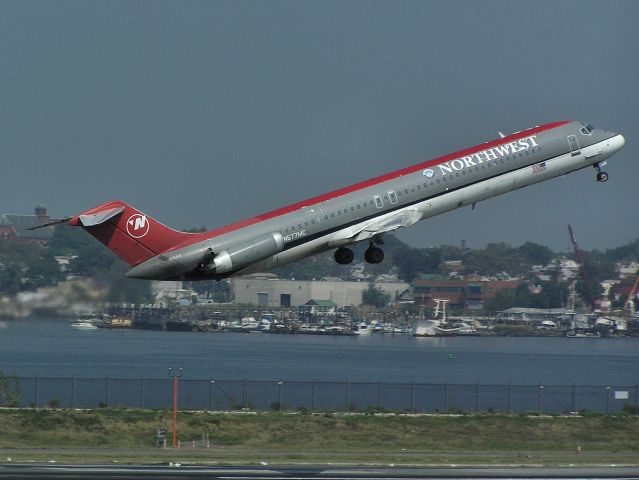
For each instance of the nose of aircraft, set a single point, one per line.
(617, 142)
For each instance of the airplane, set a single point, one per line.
(361, 212)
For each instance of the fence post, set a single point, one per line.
(539, 399)
(477, 396)
(509, 405)
(573, 398)
(608, 388)
(279, 396)
(446, 397)
(36, 394)
(108, 391)
(348, 395)
(412, 397)
(72, 392)
(141, 393)
(379, 395)
(211, 386)
(313, 397)
(245, 394)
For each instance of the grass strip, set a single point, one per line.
(88, 435)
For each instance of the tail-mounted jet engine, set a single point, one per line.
(245, 253)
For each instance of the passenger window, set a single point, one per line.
(313, 221)
(392, 196)
(352, 208)
(359, 206)
(378, 201)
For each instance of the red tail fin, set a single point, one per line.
(130, 234)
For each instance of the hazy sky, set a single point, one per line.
(202, 113)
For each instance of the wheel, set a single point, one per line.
(602, 176)
(374, 254)
(344, 256)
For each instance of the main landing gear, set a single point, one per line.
(344, 255)
(373, 254)
(601, 175)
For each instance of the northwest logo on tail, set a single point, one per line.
(137, 225)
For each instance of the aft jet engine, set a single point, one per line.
(243, 254)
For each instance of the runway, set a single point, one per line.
(166, 472)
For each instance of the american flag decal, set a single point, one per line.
(539, 167)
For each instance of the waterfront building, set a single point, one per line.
(550, 317)
(268, 290)
(468, 294)
(16, 227)
(317, 309)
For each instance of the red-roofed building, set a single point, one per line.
(16, 227)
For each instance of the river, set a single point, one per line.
(51, 348)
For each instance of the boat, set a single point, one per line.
(83, 325)
(362, 328)
(246, 325)
(428, 327)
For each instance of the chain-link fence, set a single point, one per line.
(263, 395)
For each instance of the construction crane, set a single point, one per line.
(579, 258)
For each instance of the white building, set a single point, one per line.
(270, 291)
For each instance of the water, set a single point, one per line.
(51, 348)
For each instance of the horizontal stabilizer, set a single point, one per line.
(101, 216)
(50, 224)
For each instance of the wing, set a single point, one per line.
(383, 224)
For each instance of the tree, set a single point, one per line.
(535, 254)
(413, 261)
(552, 295)
(126, 290)
(503, 300)
(375, 296)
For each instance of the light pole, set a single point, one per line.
(175, 375)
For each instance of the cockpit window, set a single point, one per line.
(587, 130)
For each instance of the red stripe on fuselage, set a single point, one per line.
(377, 180)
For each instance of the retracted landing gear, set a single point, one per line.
(601, 175)
(344, 255)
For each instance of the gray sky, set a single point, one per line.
(208, 112)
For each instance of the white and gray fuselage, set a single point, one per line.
(369, 209)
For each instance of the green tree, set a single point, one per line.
(412, 261)
(126, 290)
(375, 296)
(502, 300)
(535, 254)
